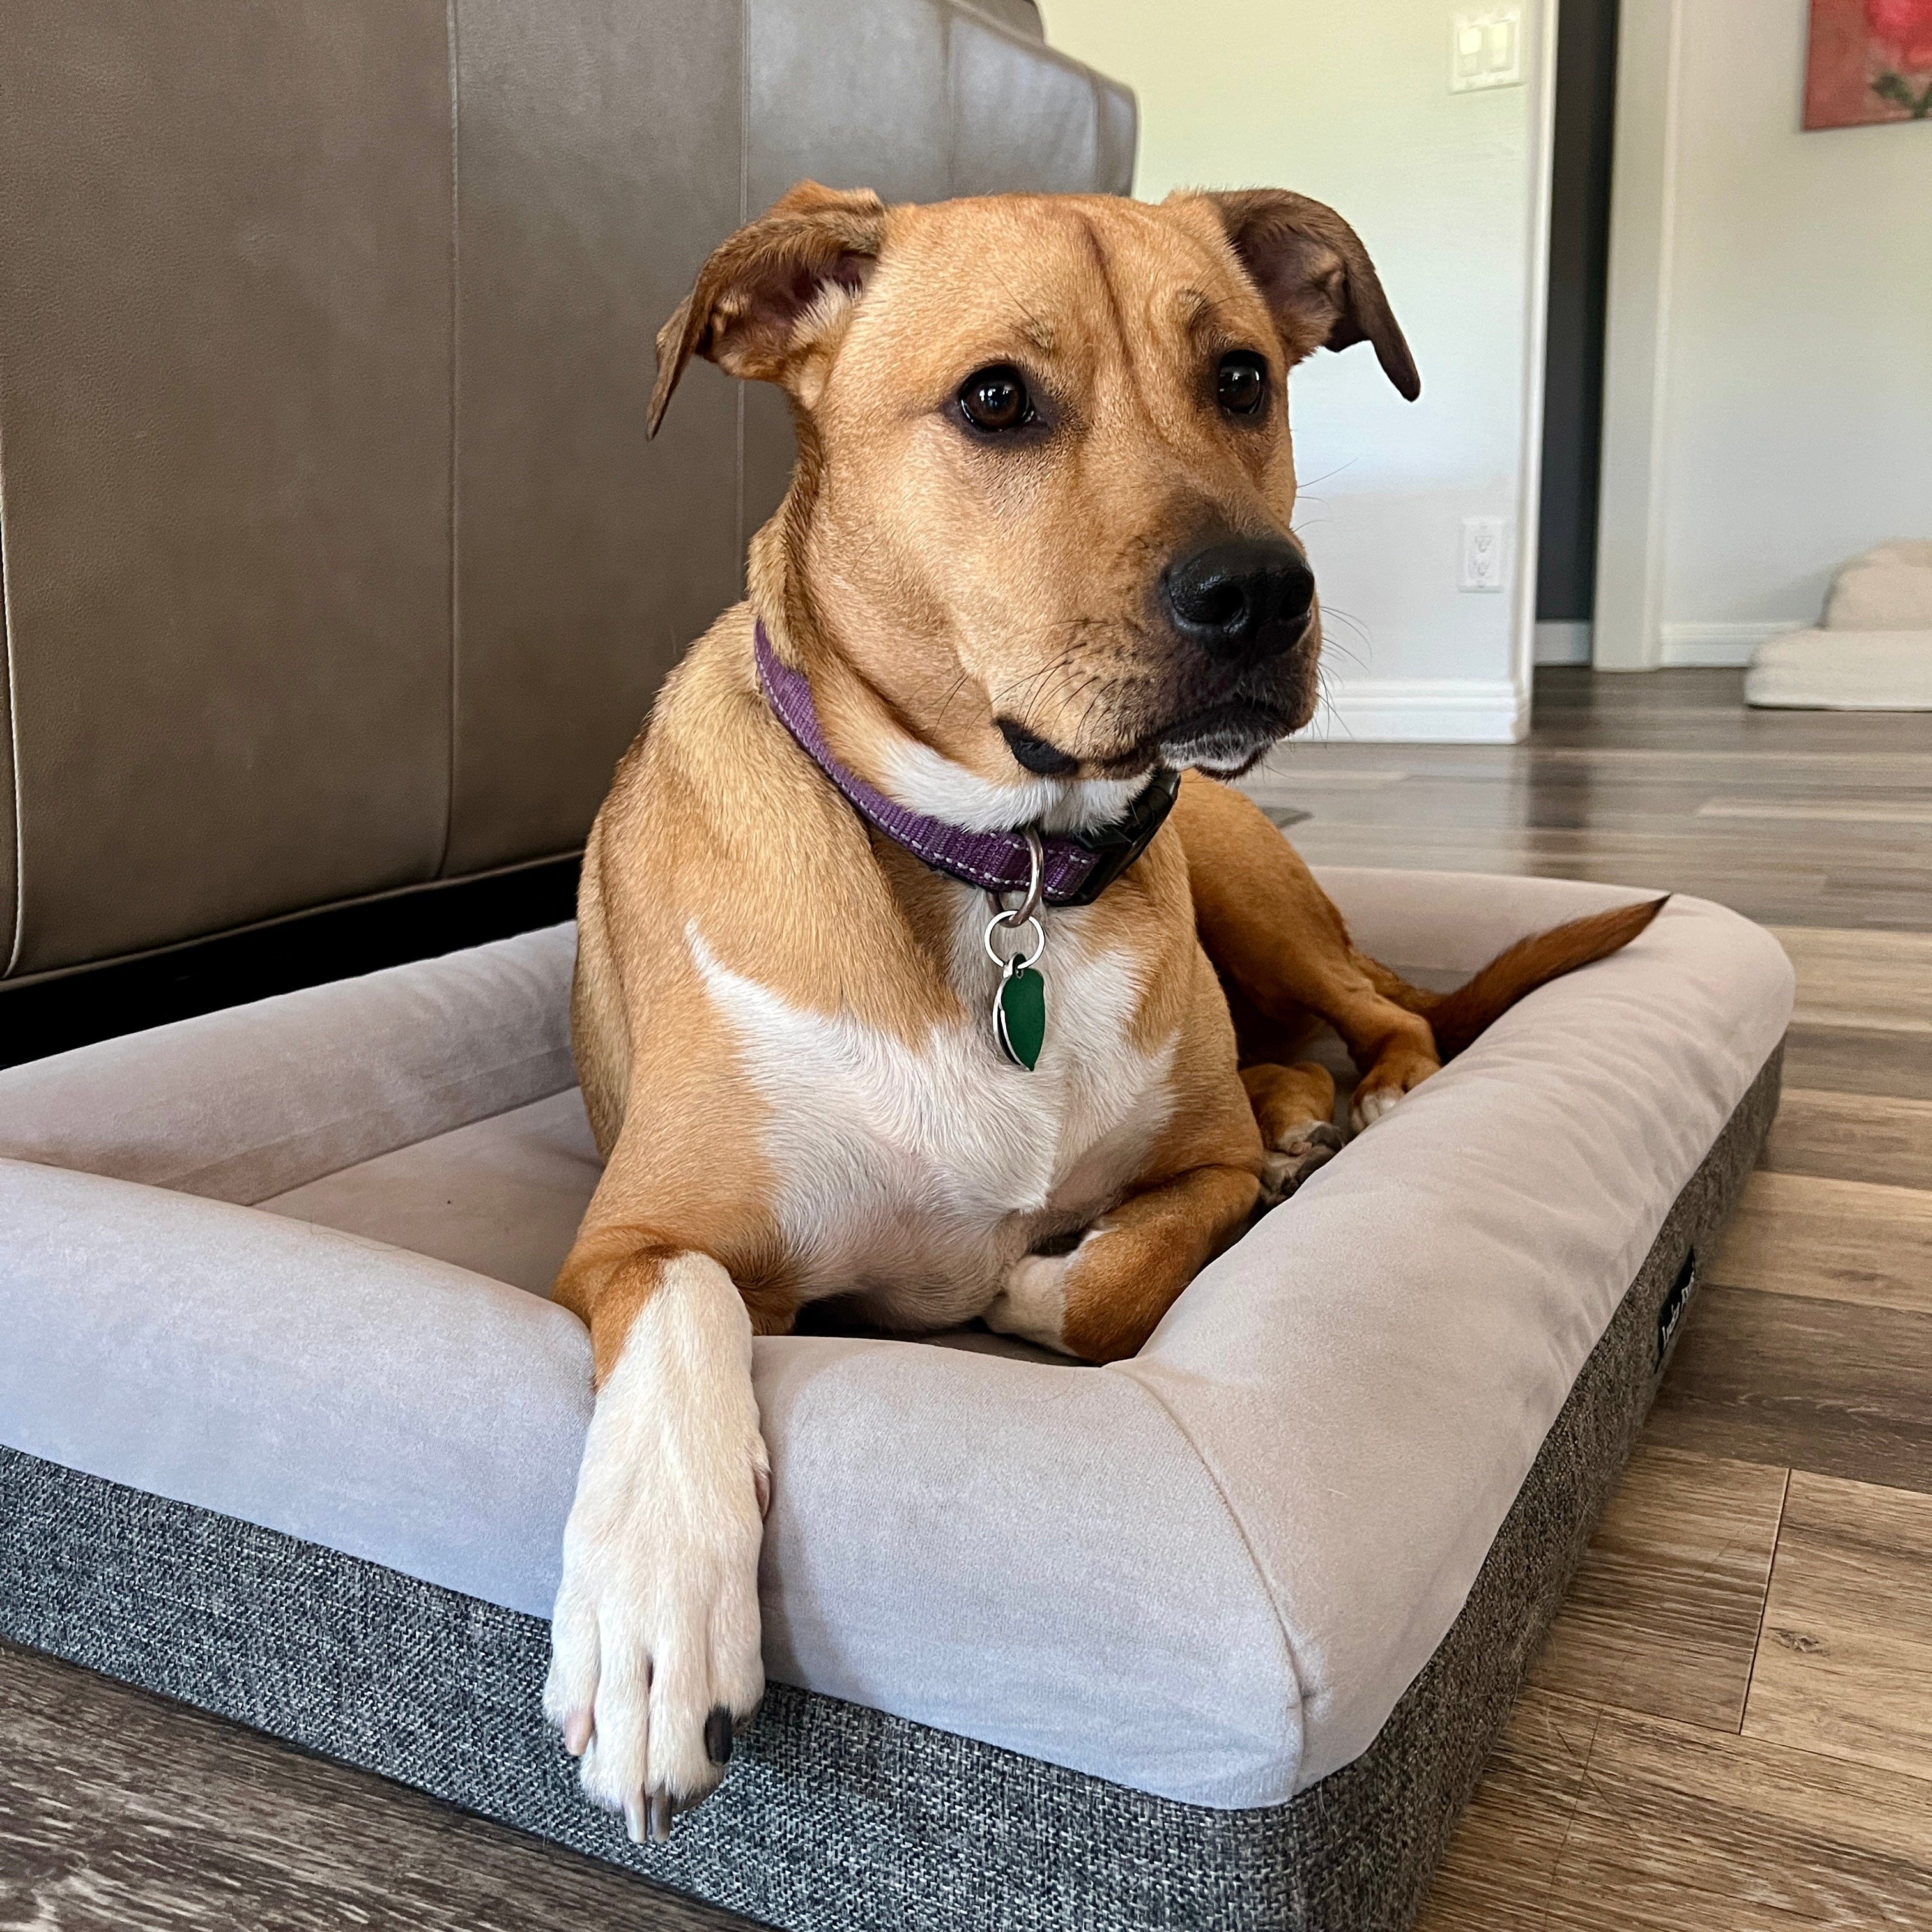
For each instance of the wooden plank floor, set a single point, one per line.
(120, 1812)
(1730, 1728)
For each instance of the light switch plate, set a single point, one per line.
(1486, 49)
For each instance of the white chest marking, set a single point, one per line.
(913, 1176)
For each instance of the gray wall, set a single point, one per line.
(1580, 228)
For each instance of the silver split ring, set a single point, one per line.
(1012, 922)
(1036, 883)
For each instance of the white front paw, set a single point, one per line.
(655, 1649)
(1032, 1300)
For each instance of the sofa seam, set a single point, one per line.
(452, 42)
(1240, 1529)
(17, 942)
(949, 81)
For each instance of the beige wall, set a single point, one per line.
(1350, 102)
(1769, 402)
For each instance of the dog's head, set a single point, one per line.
(1045, 477)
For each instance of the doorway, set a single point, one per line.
(1581, 146)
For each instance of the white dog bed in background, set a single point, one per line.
(1873, 651)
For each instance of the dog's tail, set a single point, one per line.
(1457, 1018)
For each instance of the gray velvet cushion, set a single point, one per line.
(503, 1196)
(1208, 1574)
(836, 1817)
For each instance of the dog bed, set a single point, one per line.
(1219, 1636)
(1873, 652)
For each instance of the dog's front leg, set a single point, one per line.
(654, 1651)
(1102, 1300)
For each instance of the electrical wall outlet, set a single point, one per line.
(1486, 49)
(1483, 542)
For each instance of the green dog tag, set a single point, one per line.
(1019, 1016)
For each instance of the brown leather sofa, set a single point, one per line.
(337, 564)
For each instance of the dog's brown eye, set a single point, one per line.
(996, 399)
(1241, 386)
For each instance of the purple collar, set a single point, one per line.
(1078, 867)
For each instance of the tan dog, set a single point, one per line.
(1035, 551)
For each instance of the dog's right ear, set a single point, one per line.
(771, 290)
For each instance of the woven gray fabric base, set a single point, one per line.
(836, 1818)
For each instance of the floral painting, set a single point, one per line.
(1870, 60)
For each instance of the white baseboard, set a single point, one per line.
(1563, 640)
(1716, 646)
(1422, 710)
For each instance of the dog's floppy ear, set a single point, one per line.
(1315, 277)
(751, 310)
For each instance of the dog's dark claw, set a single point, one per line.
(660, 1818)
(718, 1734)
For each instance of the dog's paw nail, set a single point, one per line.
(661, 1817)
(1289, 1164)
(718, 1739)
(634, 1821)
(577, 1733)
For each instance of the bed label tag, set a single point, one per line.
(1670, 1316)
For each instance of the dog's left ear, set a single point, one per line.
(1315, 277)
(760, 300)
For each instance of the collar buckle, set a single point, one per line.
(1116, 846)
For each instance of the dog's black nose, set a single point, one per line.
(1249, 597)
